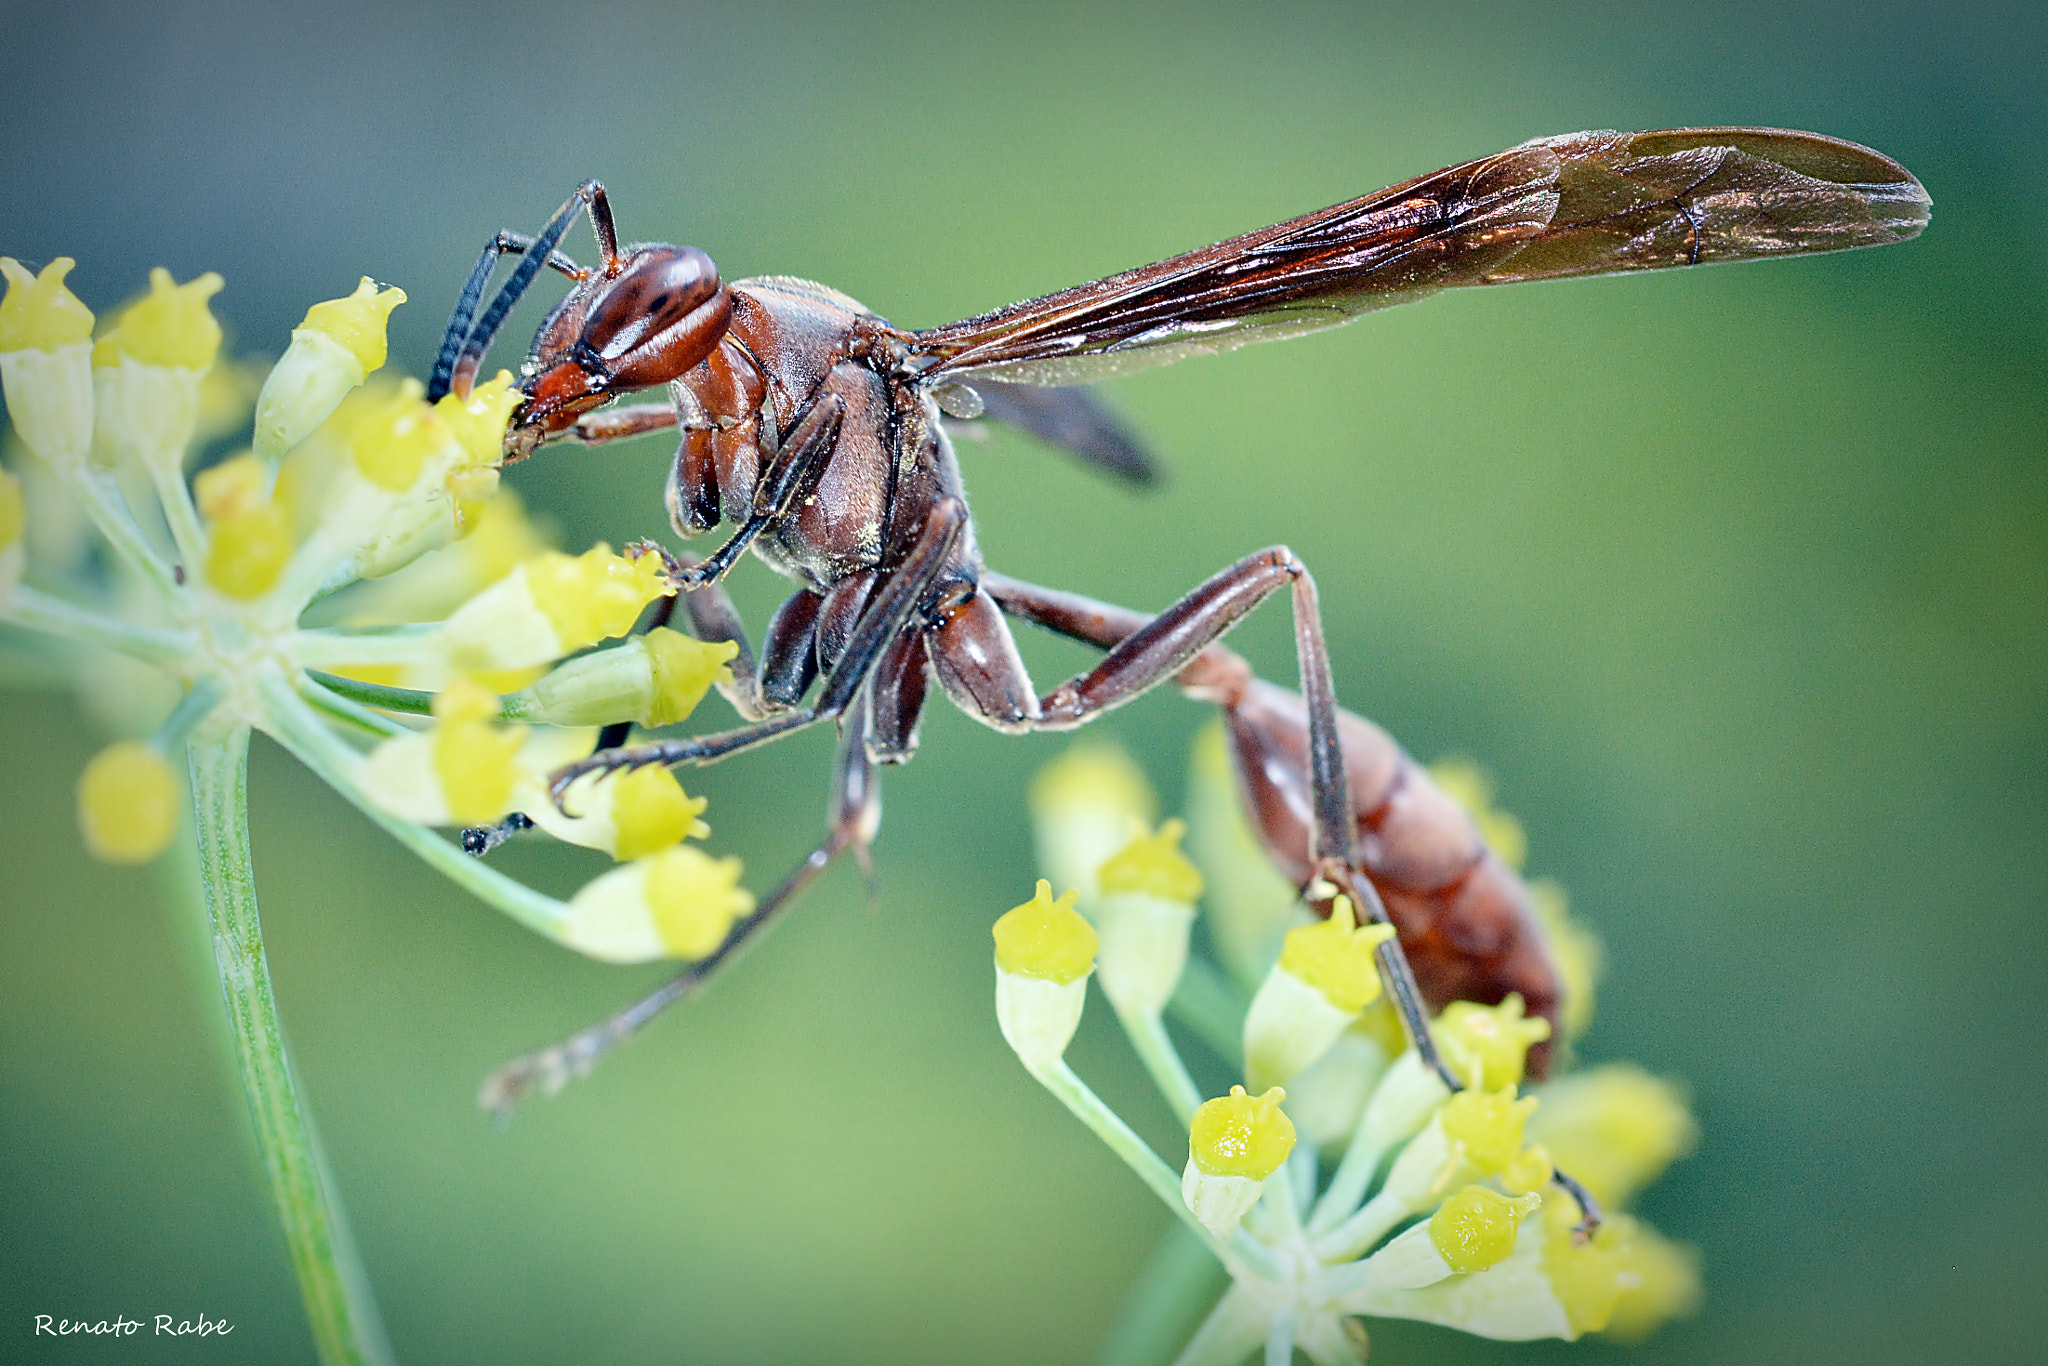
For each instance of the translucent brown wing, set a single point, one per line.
(1578, 204)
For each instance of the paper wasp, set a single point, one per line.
(818, 429)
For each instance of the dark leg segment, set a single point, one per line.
(615, 424)
(880, 623)
(801, 458)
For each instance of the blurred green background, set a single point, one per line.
(1736, 579)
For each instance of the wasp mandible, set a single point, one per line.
(818, 430)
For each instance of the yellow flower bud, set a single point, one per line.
(39, 312)
(473, 759)
(1663, 1283)
(1488, 1124)
(247, 551)
(393, 441)
(695, 899)
(1587, 1277)
(1235, 1145)
(46, 361)
(652, 812)
(128, 803)
(595, 595)
(1085, 806)
(551, 605)
(1530, 1171)
(1614, 1127)
(1046, 939)
(231, 488)
(1335, 956)
(1489, 1045)
(332, 351)
(1044, 953)
(170, 327)
(478, 419)
(1475, 1228)
(684, 670)
(681, 903)
(1152, 864)
(1241, 1134)
(358, 321)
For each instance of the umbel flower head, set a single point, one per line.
(352, 583)
(1344, 1180)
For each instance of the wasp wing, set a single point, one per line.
(1579, 204)
(1075, 420)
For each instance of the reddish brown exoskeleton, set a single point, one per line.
(818, 429)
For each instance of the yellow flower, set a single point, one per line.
(1325, 978)
(46, 360)
(628, 815)
(551, 605)
(655, 679)
(1146, 907)
(170, 327)
(1045, 938)
(1489, 1045)
(337, 345)
(40, 311)
(1615, 1127)
(1235, 1145)
(465, 771)
(128, 803)
(680, 903)
(1085, 806)
(1044, 953)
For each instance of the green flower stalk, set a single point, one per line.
(356, 587)
(1440, 1206)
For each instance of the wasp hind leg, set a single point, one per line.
(1146, 651)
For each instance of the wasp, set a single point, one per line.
(817, 430)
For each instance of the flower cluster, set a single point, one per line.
(1344, 1179)
(353, 583)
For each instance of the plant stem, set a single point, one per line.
(339, 1309)
(101, 498)
(1155, 1049)
(39, 611)
(1108, 1126)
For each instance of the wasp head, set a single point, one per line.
(645, 320)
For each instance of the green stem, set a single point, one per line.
(1109, 1126)
(1155, 1049)
(1210, 1004)
(338, 1305)
(39, 611)
(413, 643)
(167, 469)
(340, 709)
(96, 491)
(410, 701)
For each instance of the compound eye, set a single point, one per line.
(659, 290)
